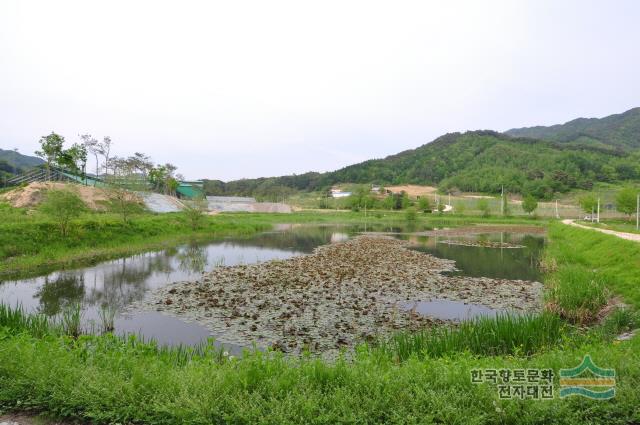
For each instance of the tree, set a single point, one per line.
(626, 201)
(505, 204)
(51, 149)
(123, 201)
(441, 207)
(195, 210)
(74, 159)
(423, 204)
(529, 204)
(93, 147)
(104, 149)
(588, 203)
(483, 206)
(62, 205)
(410, 214)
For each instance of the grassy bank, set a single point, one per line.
(34, 245)
(31, 244)
(613, 261)
(107, 379)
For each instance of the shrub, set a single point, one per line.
(411, 214)
(62, 205)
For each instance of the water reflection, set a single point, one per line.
(193, 259)
(478, 261)
(121, 282)
(60, 291)
(449, 310)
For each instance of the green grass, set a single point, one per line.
(576, 293)
(107, 379)
(506, 334)
(615, 260)
(31, 245)
(15, 321)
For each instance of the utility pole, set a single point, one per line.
(638, 212)
(502, 201)
(557, 215)
(598, 219)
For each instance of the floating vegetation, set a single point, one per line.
(481, 243)
(332, 299)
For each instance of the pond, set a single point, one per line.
(121, 282)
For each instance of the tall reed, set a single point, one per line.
(504, 334)
(16, 320)
(70, 320)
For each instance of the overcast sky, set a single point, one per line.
(235, 89)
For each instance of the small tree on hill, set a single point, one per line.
(51, 149)
(123, 201)
(62, 205)
(529, 204)
(626, 201)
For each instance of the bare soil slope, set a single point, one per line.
(32, 195)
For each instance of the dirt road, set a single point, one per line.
(629, 236)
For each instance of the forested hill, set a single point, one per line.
(619, 131)
(12, 162)
(19, 160)
(480, 161)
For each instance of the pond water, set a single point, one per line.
(119, 283)
(519, 261)
(449, 310)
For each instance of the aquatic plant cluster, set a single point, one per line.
(340, 295)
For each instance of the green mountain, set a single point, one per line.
(19, 160)
(12, 162)
(479, 161)
(619, 131)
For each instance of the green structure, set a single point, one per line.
(190, 189)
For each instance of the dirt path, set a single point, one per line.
(629, 236)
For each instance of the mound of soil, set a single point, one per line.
(32, 195)
(413, 190)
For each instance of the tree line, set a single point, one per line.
(478, 161)
(135, 170)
